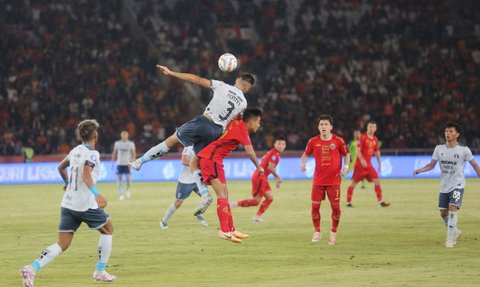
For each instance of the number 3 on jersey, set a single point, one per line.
(229, 111)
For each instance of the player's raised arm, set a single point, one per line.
(426, 168)
(185, 77)
(253, 157)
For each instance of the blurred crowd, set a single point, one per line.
(410, 66)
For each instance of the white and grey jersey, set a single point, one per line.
(186, 175)
(227, 102)
(452, 165)
(124, 151)
(77, 195)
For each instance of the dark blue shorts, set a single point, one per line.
(185, 189)
(70, 220)
(454, 197)
(198, 132)
(123, 169)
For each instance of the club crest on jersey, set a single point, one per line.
(332, 146)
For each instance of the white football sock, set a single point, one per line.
(155, 152)
(104, 250)
(202, 187)
(452, 224)
(169, 212)
(119, 187)
(445, 219)
(47, 256)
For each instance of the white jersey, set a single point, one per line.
(227, 102)
(186, 176)
(78, 196)
(452, 164)
(124, 151)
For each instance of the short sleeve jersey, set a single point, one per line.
(328, 159)
(77, 195)
(235, 134)
(124, 151)
(368, 146)
(186, 175)
(272, 156)
(452, 164)
(228, 101)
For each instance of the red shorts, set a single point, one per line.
(368, 173)
(211, 170)
(332, 191)
(260, 185)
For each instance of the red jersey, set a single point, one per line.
(328, 159)
(272, 156)
(236, 133)
(368, 146)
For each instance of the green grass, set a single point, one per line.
(402, 245)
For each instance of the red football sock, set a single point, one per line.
(349, 194)
(378, 191)
(265, 204)
(224, 214)
(336, 212)
(316, 216)
(230, 219)
(247, 203)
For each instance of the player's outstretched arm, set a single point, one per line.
(475, 166)
(426, 168)
(194, 79)
(253, 157)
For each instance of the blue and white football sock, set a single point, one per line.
(47, 256)
(452, 224)
(104, 250)
(169, 212)
(155, 152)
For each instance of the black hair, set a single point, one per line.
(249, 78)
(325, 117)
(456, 126)
(87, 128)
(280, 138)
(372, 122)
(251, 113)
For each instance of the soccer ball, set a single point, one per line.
(227, 62)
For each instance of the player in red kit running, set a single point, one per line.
(328, 149)
(211, 165)
(367, 146)
(260, 186)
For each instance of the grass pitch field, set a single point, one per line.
(402, 245)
